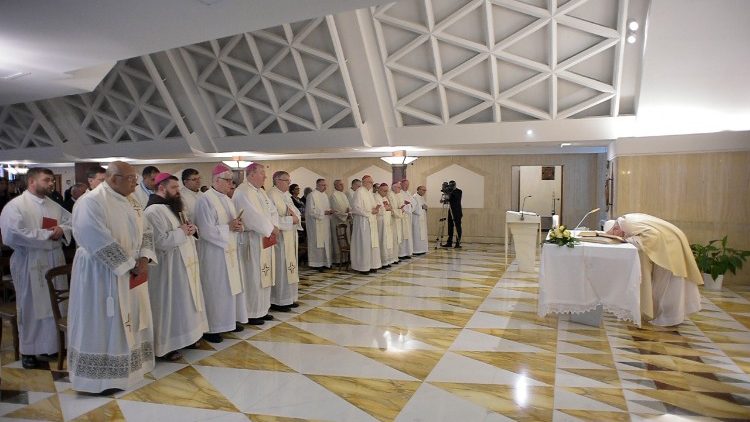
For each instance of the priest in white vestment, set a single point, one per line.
(356, 184)
(397, 221)
(286, 281)
(340, 206)
(190, 191)
(110, 331)
(146, 187)
(318, 213)
(174, 282)
(35, 227)
(219, 229)
(365, 247)
(261, 221)
(419, 222)
(388, 253)
(403, 202)
(669, 275)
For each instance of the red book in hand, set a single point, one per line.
(48, 223)
(137, 280)
(269, 241)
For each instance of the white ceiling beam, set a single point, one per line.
(344, 69)
(518, 88)
(462, 12)
(523, 108)
(377, 35)
(522, 7)
(587, 53)
(523, 33)
(470, 112)
(428, 117)
(586, 81)
(604, 96)
(622, 27)
(587, 26)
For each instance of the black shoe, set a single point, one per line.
(321, 269)
(109, 391)
(238, 328)
(373, 271)
(281, 308)
(364, 272)
(28, 361)
(458, 246)
(387, 266)
(267, 317)
(255, 321)
(213, 337)
(447, 245)
(294, 305)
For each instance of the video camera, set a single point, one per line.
(447, 189)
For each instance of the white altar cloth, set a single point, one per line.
(576, 280)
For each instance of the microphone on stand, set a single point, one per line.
(522, 204)
(584, 217)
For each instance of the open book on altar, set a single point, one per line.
(595, 236)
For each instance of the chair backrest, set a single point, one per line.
(57, 296)
(342, 237)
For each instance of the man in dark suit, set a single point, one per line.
(456, 213)
(75, 192)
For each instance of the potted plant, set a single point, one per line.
(715, 260)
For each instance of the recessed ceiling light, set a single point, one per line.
(565, 144)
(14, 75)
(631, 39)
(529, 132)
(633, 25)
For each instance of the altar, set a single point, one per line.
(588, 277)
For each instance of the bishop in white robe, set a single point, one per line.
(110, 331)
(174, 284)
(286, 281)
(35, 227)
(365, 247)
(340, 205)
(318, 223)
(419, 222)
(219, 253)
(261, 220)
(388, 254)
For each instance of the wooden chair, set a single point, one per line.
(8, 309)
(57, 296)
(344, 250)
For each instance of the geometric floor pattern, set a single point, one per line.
(450, 336)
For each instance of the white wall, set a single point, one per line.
(541, 191)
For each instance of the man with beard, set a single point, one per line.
(35, 227)
(365, 243)
(174, 285)
(284, 290)
(318, 218)
(340, 205)
(218, 248)
(110, 334)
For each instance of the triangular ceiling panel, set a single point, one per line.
(471, 25)
(534, 46)
(571, 41)
(600, 12)
(507, 22)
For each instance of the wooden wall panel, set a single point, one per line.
(707, 195)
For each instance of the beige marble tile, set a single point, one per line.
(43, 410)
(109, 412)
(244, 356)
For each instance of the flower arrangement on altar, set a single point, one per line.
(561, 236)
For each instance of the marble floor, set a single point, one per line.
(451, 336)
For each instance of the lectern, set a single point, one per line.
(527, 234)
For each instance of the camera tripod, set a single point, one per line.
(444, 216)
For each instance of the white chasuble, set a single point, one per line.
(34, 253)
(365, 248)
(220, 269)
(174, 287)
(110, 335)
(259, 218)
(285, 288)
(319, 250)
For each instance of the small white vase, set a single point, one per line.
(711, 284)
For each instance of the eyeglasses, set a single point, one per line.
(130, 177)
(283, 180)
(228, 179)
(193, 179)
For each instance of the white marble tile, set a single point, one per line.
(75, 405)
(320, 359)
(469, 340)
(430, 403)
(461, 369)
(567, 379)
(434, 282)
(503, 293)
(485, 320)
(411, 303)
(565, 347)
(363, 336)
(422, 291)
(565, 399)
(387, 317)
(497, 304)
(280, 394)
(565, 361)
(141, 411)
